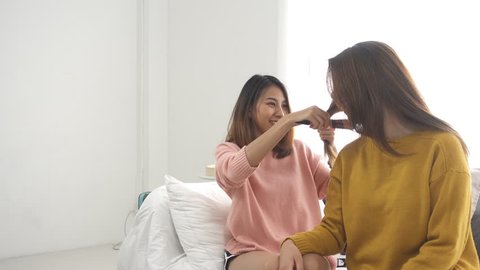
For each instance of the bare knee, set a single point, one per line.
(255, 260)
(271, 263)
(315, 262)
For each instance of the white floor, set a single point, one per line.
(99, 257)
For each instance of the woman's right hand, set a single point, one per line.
(317, 117)
(290, 257)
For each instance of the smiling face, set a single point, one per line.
(271, 106)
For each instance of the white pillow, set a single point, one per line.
(152, 243)
(199, 212)
(475, 187)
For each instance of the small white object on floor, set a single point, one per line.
(341, 262)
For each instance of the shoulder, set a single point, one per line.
(355, 146)
(439, 150)
(445, 139)
(448, 150)
(439, 141)
(350, 153)
(226, 147)
(299, 144)
(446, 153)
(300, 147)
(303, 152)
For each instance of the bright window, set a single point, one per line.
(437, 41)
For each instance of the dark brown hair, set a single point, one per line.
(369, 77)
(242, 129)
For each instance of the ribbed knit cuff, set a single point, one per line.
(302, 244)
(241, 165)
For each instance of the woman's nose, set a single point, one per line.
(280, 111)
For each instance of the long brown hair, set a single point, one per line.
(369, 77)
(242, 128)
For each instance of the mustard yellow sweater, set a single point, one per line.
(410, 212)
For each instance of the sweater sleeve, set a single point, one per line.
(231, 167)
(322, 177)
(448, 225)
(321, 173)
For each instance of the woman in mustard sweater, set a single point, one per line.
(399, 195)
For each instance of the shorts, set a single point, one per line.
(228, 259)
(330, 259)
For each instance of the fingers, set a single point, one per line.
(295, 264)
(321, 119)
(287, 266)
(327, 134)
(315, 116)
(298, 262)
(290, 257)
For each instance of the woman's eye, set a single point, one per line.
(271, 104)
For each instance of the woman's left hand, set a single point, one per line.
(290, 257)
(327, 134)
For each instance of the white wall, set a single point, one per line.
(437, 48)
(153, 71)
(100, 98)
(214, 46)
(68, 118)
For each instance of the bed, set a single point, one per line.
(180, 226)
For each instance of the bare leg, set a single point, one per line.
(312, 261)
(255, 260)
(262, 260)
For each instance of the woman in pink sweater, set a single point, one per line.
(275, 182)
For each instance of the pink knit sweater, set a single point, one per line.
(272, 201)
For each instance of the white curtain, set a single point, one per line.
(437, 40)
